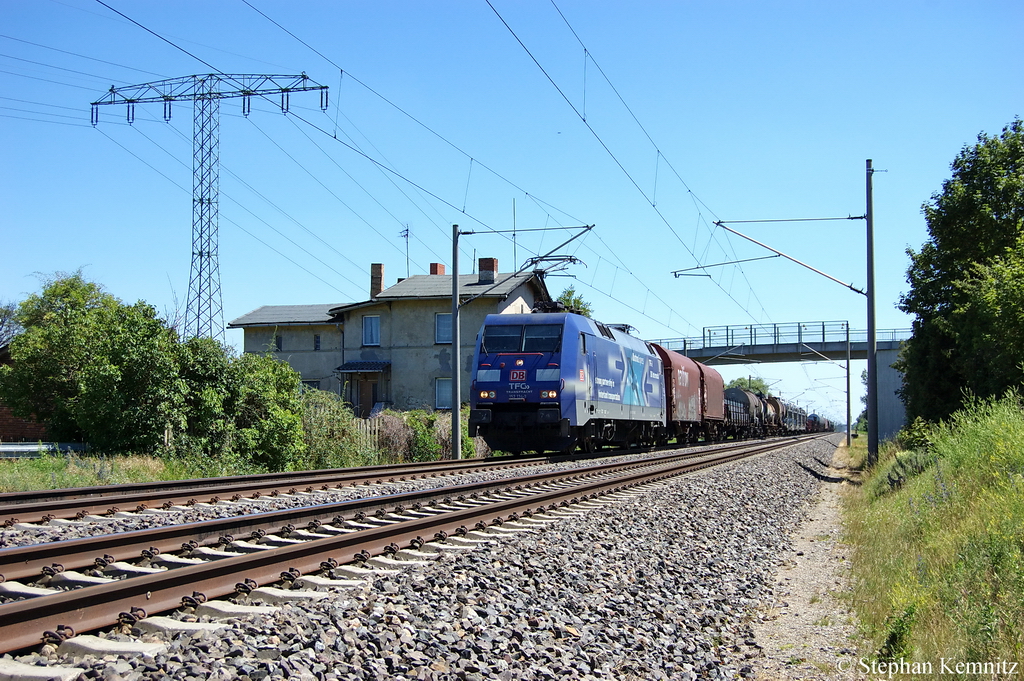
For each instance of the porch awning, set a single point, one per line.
(378, 367)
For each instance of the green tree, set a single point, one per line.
(265, 404)
(754, 385)
(95, 369)
(963, 289)
(201, 425)
(9, 327)
(90, 367)
(574, 302)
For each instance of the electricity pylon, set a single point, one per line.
(204, 309)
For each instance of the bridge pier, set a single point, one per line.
(892, 415)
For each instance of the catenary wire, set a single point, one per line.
(374, 161)
(472, 159)
(614, 158)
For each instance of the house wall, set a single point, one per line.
(407, 341)
(297, 348)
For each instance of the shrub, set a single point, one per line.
(330, 435)
(394, 439)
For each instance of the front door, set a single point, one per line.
(367, 397)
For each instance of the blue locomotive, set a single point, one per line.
(557, 380)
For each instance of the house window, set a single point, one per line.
(277, 343)
(316, 341)
(371, 330)
(312, 384)
(442, 393)
(443, 327)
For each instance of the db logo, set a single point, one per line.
(517, 375)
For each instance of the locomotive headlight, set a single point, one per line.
(548, 394)
(486, 394)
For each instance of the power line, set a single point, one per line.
(273, 205)
(47, 80)
(589, 56)
(473, 161)
(82, 56)
(51, 66)
(39, 120)
(228, 219)
(408, 115)
(54, 106)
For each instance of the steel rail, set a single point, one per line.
(23, 623)
(288, 478)
(17, 563)
(239, 488)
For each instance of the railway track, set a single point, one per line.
(208, 562)
(30, 507)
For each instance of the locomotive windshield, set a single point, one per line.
(542, 338)
(522, 338)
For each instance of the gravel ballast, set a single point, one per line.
(657, 586)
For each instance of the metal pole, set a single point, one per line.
(872, 358)
(456, 351)
(848, 415)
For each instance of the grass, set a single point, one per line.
(63, 471)
(937, 530)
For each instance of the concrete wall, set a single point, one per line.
(892, 415)
(297, 348)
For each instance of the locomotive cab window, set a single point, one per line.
(542, 338)
(520, 338)
(502, 338)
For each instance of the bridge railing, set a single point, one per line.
(779, 334)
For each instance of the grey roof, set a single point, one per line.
(363, 367)
(440, 286)
(274, 315)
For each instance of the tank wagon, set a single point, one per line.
(555, 381)
(819, 424)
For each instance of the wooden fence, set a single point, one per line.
(369, 432)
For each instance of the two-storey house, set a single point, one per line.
(395, 348)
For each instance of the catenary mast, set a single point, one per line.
(204, 310)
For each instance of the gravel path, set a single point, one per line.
(658, 586)
(806, 630)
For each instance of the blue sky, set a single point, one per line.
(746, 110)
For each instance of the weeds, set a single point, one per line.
(937, 532)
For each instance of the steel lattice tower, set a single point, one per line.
(204, 310)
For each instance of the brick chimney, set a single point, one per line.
(488, 270)
(436, 268)
(376, 279)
